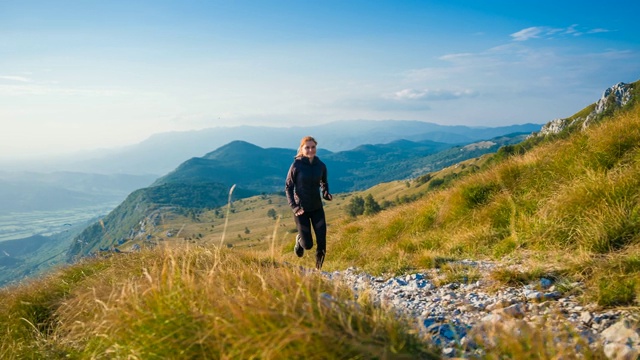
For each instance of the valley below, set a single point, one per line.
(18, 225)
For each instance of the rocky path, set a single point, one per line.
(447, 314)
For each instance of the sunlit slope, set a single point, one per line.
(573, 202)
(138, 216)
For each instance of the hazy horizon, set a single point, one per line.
(101, 151)
(82, 76)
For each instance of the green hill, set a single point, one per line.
(137, 216)
(263, 170)
(246, 165)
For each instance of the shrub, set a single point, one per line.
(423, 179)
(436, 183)
(478, 194)
(355, 206)
(371, 206)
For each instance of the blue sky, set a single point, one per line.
(77, 75)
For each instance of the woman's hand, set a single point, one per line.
(299, 212)
(327, 196)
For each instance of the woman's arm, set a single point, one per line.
(324, 185)
(289, 186)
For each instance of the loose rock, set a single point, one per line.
(446, 314)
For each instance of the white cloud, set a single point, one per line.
(426, 94)
(34, 89)
(528, 33)
(409, 99)
(571, 30)
(597, 31)
(455, 56)
(409, 94)
(538, 32)
(14, 78)
(514, 69)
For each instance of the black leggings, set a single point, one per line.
(304, 222)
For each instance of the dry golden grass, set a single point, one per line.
(186, 302)
(198, 302)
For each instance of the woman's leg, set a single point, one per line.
(320, 229)
(303, 223)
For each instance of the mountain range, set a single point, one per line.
(262, 170)
(110, 175)
(163, 152)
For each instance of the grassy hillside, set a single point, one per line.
(252, 222)
(137, 216)
(566, 207)
(570, 207)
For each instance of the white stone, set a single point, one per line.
(622, 332)
(585, 317)
(620, 352)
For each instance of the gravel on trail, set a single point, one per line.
(447, 314)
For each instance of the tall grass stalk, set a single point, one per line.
(226, 220)
(180, 231)
(273, 238)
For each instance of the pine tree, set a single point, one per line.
(371, 206)
(355, 206)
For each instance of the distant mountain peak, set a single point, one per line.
(236, 143)
(235, 147)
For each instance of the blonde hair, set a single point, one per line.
(303, 142)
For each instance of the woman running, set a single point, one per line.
(306, 178)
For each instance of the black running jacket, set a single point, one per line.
(304, 182)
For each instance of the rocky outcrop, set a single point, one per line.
(616, 96)
(555, 126)
(619, 92)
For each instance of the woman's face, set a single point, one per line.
(309, 149)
